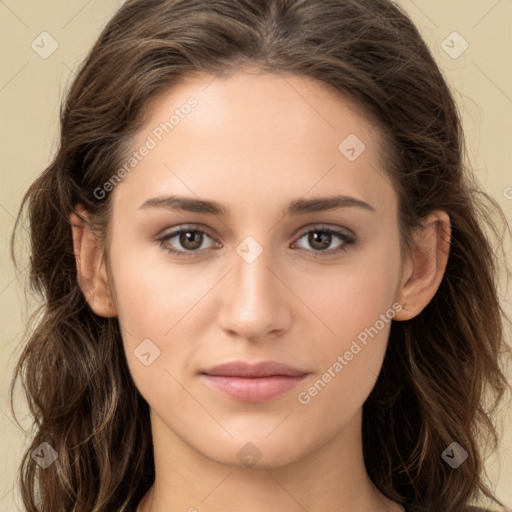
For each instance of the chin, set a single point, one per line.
(255, 452)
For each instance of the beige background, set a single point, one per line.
(31, 89)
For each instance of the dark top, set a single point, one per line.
(414, 506)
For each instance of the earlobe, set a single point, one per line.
(91, 266)
(425, 266)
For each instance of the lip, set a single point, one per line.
(253, 382)
(262, 369)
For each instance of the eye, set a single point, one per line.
(189, 238)
(321, 238)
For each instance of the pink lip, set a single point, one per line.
(253, 382)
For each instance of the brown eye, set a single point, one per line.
(185, 242)
(320, 239)
(190, 240)
(320, 242)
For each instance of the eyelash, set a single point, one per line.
(344, 237)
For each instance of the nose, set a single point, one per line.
(255, 301)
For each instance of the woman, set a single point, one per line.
(266, 280)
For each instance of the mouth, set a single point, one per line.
(247, 382)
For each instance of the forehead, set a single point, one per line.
(258, 136)
(283, 104)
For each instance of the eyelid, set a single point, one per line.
(302, 231)
(328, 227)
(184, 227)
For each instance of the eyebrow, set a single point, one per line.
(296, 207)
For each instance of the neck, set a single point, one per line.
(332, 478)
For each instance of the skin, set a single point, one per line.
(254, 157)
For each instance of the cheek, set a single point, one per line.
(357, 303)
(154, 301)
(153, 293)
(349, 361)
(351, 297)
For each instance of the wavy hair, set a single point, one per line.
(442, 376)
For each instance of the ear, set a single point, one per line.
(423, 270)
(90, 265)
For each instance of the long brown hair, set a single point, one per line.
(441, 379)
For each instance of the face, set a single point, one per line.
(275, 272)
